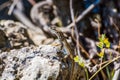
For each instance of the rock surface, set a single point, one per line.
(16, 35)
(30, 63)
(20, 61)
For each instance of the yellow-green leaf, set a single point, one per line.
(108, 45)
(101, 54)
(102, 38)
(100, 45)
(106, 42)
(76, 59)
(82, 64)
(79, 61)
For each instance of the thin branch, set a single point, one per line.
(75, 27)
(104, 67)
(21, 17)
(108, 51)
(117, 72)
(4, 5)
(81, 16)
(12, 6)
(35, 9)
(32, 2)
(72, 17)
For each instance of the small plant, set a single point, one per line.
(80, 61)
(103, 43)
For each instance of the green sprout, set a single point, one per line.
(101, 54)
(79, 61)
(103, 42)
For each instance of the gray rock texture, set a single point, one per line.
(30, 63)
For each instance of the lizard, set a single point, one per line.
(62, 41)
(67, 46)
(69, 50)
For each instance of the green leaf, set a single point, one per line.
(106, 42)
(79, 61)
(100, 45)
(76, 59)
(82, 64)
(102, 38)
(101, 54)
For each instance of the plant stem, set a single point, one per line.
(104, 67)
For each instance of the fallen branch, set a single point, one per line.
(81, 16)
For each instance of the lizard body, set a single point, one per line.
(63, 41)
(68, 48)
